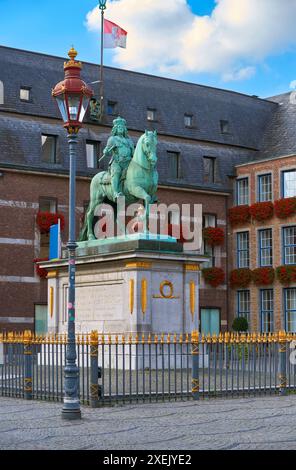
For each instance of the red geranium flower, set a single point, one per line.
(213, 236)
(240, 277)
(262, 211)
(214, 276)
(239, 215)
(284, 208)
(263, 276)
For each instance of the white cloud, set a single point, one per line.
(293, 85)
(167, 37)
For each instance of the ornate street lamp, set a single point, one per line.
(72, 96)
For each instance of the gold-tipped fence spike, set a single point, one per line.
(130, 338)
(243, 338)
(109, 338)
(203, 338)
(181, 338)
(116, 339)
(94, 337)
(102, 338)
(155, 339)
(175, 338)
(162, 338)
(143, 338)
(137, 339)
(168, 338)
(123, 339)
(149, 338)
(209, 338)
(282, 337)
(195, 337)
(187, 338)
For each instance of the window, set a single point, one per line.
(173, 165)
(289, 242)
(290, 309)
(209, 220)
(1, 93)
(151, 114)
(92, 151)
(41, 325)
(224, 126)
(243, 254)
(49, 148)
(112, 108)
(188, 120)
(209, 165)
(25, 93)
(47, 204)
(210, 321)
(266, 310)
(243, 304)
(265, 188)
(289, 183)
(265, 247)
(242, 191)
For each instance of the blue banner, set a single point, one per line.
(55, 242)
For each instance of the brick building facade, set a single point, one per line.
(269, 243)
(203, 133)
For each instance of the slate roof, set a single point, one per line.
(280, 135)
(248, 117)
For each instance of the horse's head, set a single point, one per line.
(149, 144)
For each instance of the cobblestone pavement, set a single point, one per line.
(249, 423)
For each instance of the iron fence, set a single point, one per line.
(141, 368)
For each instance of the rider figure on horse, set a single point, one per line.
(121, 149)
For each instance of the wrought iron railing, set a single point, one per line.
(140, 368)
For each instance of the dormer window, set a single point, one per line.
(112, 108)
(224, 126)
(188, 120)
(151, 114)
(25, 94)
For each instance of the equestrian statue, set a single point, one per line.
(131, 173)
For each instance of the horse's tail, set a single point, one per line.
(83, 232)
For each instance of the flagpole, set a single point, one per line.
(102, 6)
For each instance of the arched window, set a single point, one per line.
(1, 93)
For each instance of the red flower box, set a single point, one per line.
(46, 219)
(285, 208)
(239, 215)
(214, 276)
(214, 236)
(262, 211)
(263, 276)
(286, 274)
(240, 277)
(42, 272)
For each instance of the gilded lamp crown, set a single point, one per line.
(72, 62)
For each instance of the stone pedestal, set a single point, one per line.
(127, 286)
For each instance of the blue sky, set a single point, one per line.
(53, 26)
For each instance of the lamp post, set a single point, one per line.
(102, 7)
(72, 96)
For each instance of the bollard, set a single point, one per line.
(94, 387)
(28, 365)
(195, 364)
(283, 362)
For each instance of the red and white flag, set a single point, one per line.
(114, 35)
